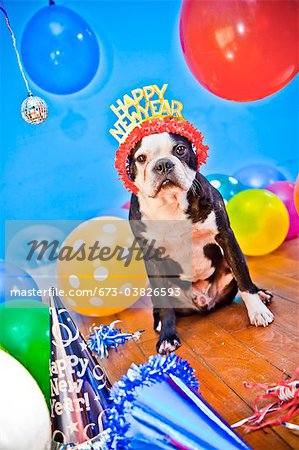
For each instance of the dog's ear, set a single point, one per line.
(131, 166)
(192, 157)
(192, 163)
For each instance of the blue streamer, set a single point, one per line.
(104, 337)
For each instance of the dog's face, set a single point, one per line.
(162, 163)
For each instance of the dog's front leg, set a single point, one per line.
(169, 339)
(164, 316)
(158, 274)
(253, 297)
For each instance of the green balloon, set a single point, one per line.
(25, 335)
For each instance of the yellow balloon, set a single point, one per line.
(259, 220)
(97, 270)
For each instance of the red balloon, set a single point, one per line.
(241, 50)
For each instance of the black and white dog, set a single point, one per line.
(163, 168)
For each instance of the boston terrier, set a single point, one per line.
(163, 166)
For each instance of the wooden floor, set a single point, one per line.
(225, 350)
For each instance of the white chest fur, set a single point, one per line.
(203, 233)
(167, 223)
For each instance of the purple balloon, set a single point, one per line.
(285, 191)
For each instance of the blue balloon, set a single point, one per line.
(19, 244)
(227, 185)
(12, 278)
(258, 176)
(60, 51)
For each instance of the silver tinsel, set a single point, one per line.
(34, 110)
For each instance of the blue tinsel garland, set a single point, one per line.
(123, 393)
(103, 337)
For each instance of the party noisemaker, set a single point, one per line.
(79, 387)
(157, 406)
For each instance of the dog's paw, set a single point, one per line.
(262, 318)
(167, 345)
(259, 314)
(265, 295)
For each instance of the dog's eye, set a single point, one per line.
(141, 158)
(181, 150)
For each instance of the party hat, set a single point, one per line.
(157, 406)
(80, 388)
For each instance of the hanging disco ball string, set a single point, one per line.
(33, 109)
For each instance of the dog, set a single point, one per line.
(176, 205)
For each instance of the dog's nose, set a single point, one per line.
(164, 166)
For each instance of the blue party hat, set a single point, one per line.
(80, 388)
(157, 406)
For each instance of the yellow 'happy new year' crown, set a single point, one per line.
(142, 105)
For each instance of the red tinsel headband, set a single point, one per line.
(159, 125)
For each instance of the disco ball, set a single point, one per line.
(34, 110)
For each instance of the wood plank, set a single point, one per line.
(137, 319)
(272, 344)
(289, 249)
(231, 360)
(278, 263)
(234, 317)
(278, 284)
(224, 400)
(120, 360)
(277, 343)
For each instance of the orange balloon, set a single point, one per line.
(241, 50)
(101, 282)
(296, 194)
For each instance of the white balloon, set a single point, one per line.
(24, 416)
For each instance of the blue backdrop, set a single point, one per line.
(64, 168)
